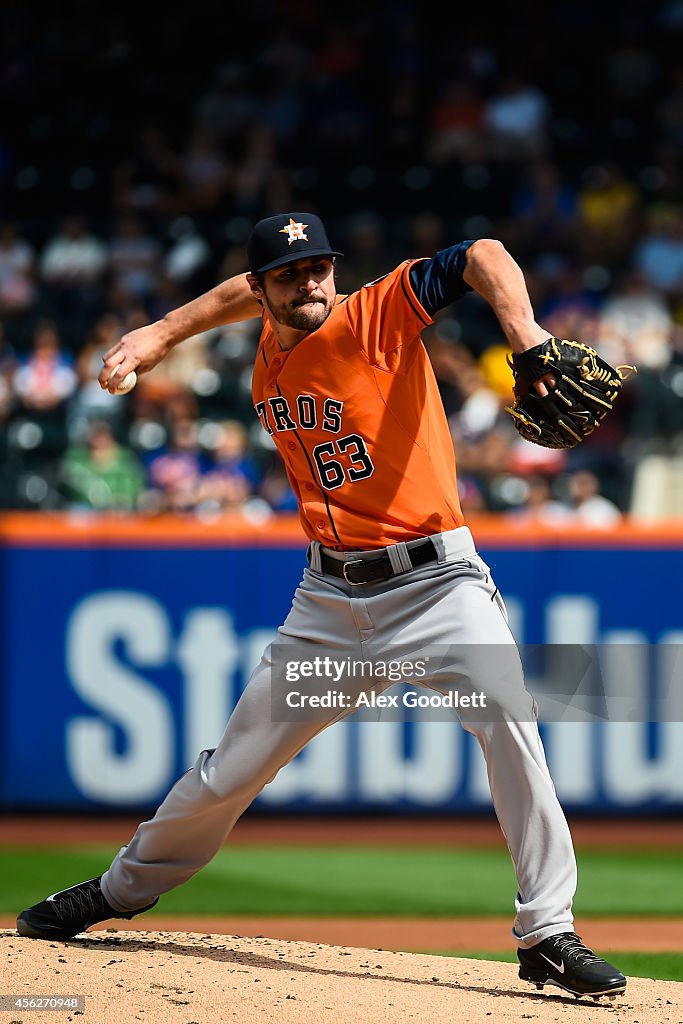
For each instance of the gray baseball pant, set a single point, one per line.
(451, 604)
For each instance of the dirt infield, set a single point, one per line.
(183, 978)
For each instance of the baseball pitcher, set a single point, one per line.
(344, 387)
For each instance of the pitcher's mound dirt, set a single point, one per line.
(187, 978)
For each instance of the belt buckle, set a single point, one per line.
(345, 565)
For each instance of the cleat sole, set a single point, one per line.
(541, 978)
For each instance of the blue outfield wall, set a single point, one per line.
(120, 663)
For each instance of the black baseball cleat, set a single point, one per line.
(66, 913)
(563, 960)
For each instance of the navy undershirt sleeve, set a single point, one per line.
(438, 282)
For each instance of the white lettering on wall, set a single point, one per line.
(208, 654)
(571, 620)
(121, 699)
(632, 774)
(131, 741)
(431, 773)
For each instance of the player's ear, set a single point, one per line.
(254, 282)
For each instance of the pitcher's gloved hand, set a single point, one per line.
(584, 390)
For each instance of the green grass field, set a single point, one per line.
(420, 881)
(375, 881)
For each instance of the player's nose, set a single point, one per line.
(309, 285)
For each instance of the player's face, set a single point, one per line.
(301, 294)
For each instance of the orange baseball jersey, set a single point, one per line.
(355, 412)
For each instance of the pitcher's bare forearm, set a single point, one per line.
(229, 302)
(493, 273)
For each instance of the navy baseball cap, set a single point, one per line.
(284, 238)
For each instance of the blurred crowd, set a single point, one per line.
(119, 203)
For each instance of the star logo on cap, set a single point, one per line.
(295, 231)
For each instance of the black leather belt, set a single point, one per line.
(370, 570)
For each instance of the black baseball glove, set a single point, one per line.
(584, 392)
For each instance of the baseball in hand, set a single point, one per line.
(128, 383)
